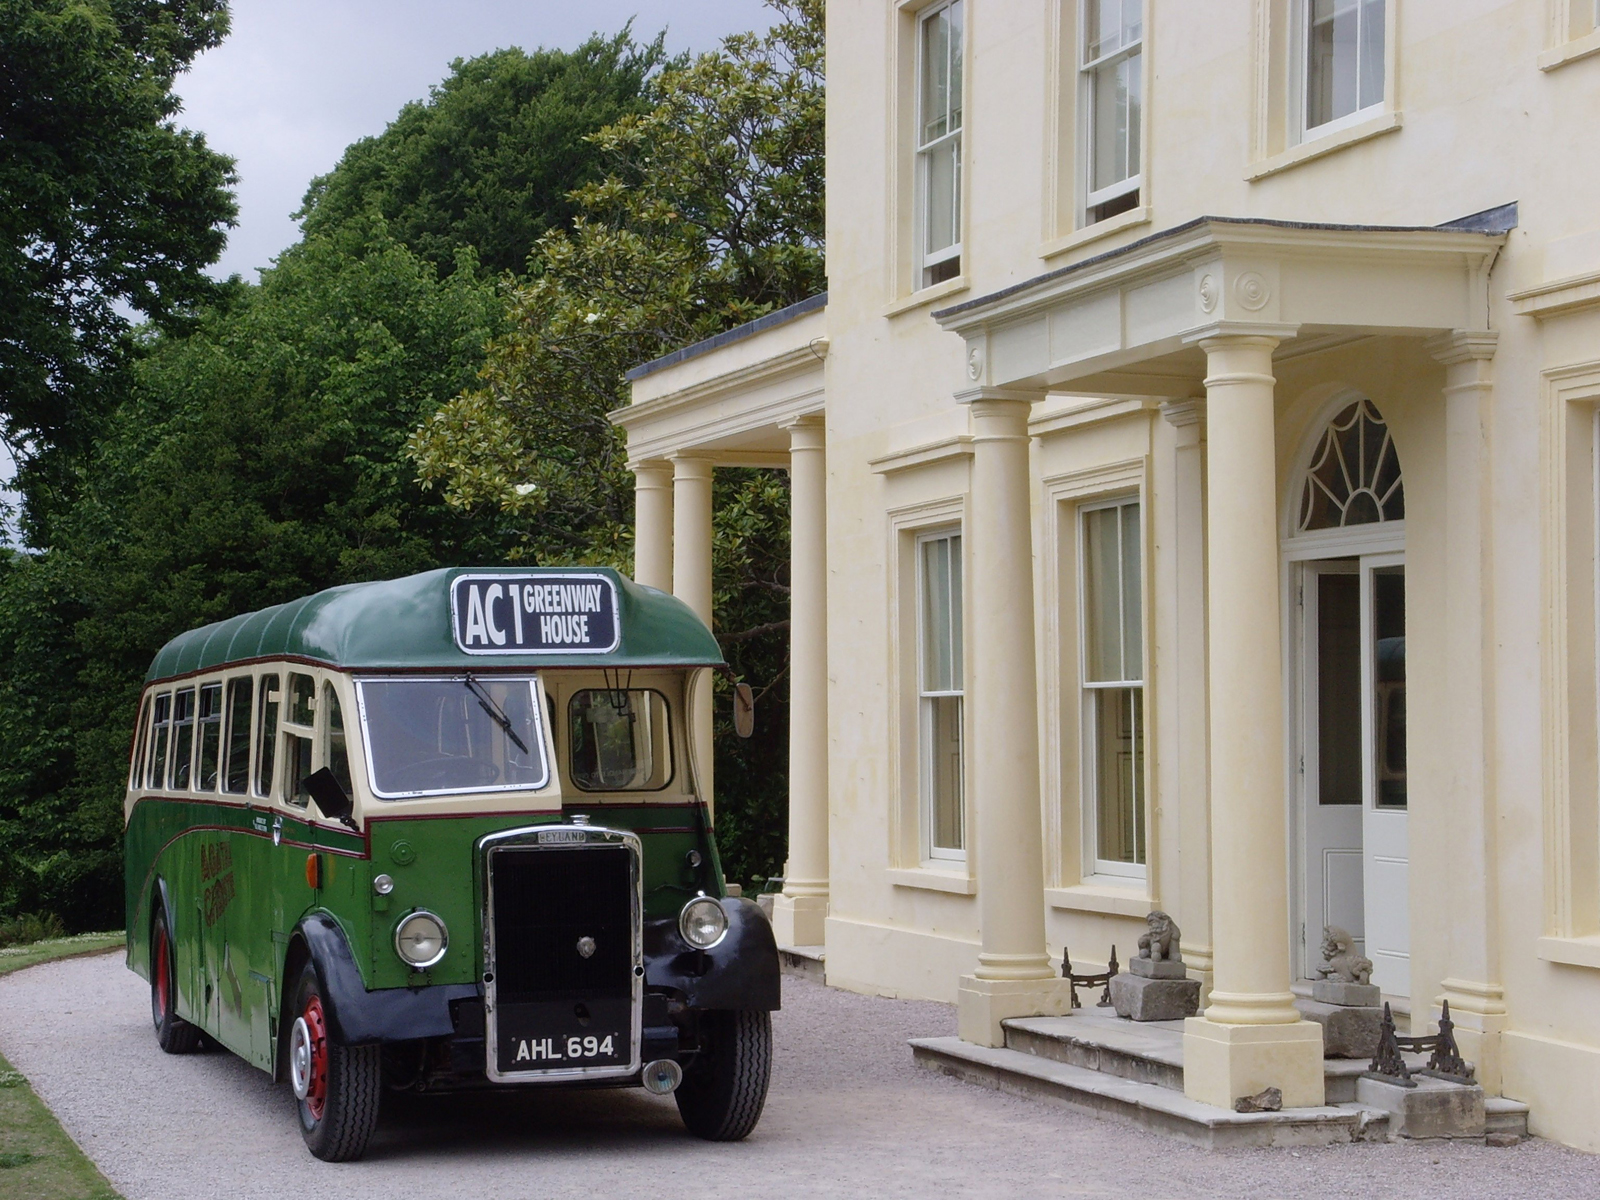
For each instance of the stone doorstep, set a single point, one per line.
(1146, 1104)
(806, 961)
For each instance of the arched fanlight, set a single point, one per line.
(1354, 477)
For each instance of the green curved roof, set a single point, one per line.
(406, 624)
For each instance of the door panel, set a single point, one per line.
(1385, 832)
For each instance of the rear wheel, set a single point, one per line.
(725, 1088)
(336, 1087)
(173, 1033)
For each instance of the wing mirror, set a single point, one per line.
(744, 710)
(330, 797)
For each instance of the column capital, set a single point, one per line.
(976, 395)
(1463, 345)
(689, 463)
(1182, 413)
(810, 420)
(656, 470)
(1241, 333)
(805, 432)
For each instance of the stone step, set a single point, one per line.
(1505, 1117)
(1147, 1104)
(1124, 1049)
(806, 961)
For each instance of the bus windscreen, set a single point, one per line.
(435, 736)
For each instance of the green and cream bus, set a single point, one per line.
(445, 832)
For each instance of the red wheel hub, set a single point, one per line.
(317, 1088)
(163, 974)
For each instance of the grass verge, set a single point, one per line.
(38, 1161)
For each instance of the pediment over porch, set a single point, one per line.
(1128, 322)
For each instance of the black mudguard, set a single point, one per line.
(358, 1016)
(740, 971)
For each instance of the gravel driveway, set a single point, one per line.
(848, 1115)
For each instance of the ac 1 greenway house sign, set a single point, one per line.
(534, 614)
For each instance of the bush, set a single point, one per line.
(30, 927)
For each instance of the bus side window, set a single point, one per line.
(268, 739)
(300, 730)
(159, 740)
(182, 738)
(210, 737)
(236, 765)
(336, 752)
(141, 742)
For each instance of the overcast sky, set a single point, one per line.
(297, 81)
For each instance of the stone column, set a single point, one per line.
(652, 524)
(1467, 837)
(1015, 977)
(798, 914)
(1183, 695)
(1251, 1035)
(691, 583)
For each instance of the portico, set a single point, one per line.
(1222, 309)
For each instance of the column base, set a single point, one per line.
(1479, 1011)
(798, 920)
(1221, 1063)
(981, 1004)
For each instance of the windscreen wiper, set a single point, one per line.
(495, 714)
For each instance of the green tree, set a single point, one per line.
(104, 201)
(710, 215)
(257, 459)
(490, 158)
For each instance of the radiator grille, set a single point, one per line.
(545, 902)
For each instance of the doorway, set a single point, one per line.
(1355, 857)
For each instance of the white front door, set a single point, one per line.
(1331, 754)
(1386, 851)
(1355, 855)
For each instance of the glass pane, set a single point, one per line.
(268, 740)
(1102, 602)
(1111, 117)
(302, 700)
(1338, 689)
(1371, 86)
(338, 757)
(141, 741)
(182, 737)
(1331, 61)
(1109, 25)
(1118, 715)
(618, 740)
(431, 736)
(935, 76)
(957, 644)
(1135, 85)
(1132, 603)
(954, 15)
(1389, 661)
(938, 646)
(158, 751)
(941, 166)
(210, 736)
(942, 717)
(236, 772)
(297, 758)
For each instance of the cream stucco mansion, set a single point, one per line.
(1202, 392)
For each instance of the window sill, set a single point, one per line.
(1560, 56)
(1093, 233)
(1573, 951)
(1116, 901)
(1327, 144)
(928, 295)
(955, 882)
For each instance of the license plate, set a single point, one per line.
(548, 1036)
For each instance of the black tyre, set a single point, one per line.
(336, 1087)
(173, 1033)
(725, 1088)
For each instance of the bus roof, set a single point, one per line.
(407, 624)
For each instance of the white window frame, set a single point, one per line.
(1298, 81)
(1093, 864)
(923, 152)
(926, 746)
(1086, 70)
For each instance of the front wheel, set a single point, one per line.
(173, 1033)
(336, 1087)
(725, 1088)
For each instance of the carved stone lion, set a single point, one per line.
(1340, 962)
(1161, 942)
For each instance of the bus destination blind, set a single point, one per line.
(535, 614)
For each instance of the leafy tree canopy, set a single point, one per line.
(490, 158)
(104, 201)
